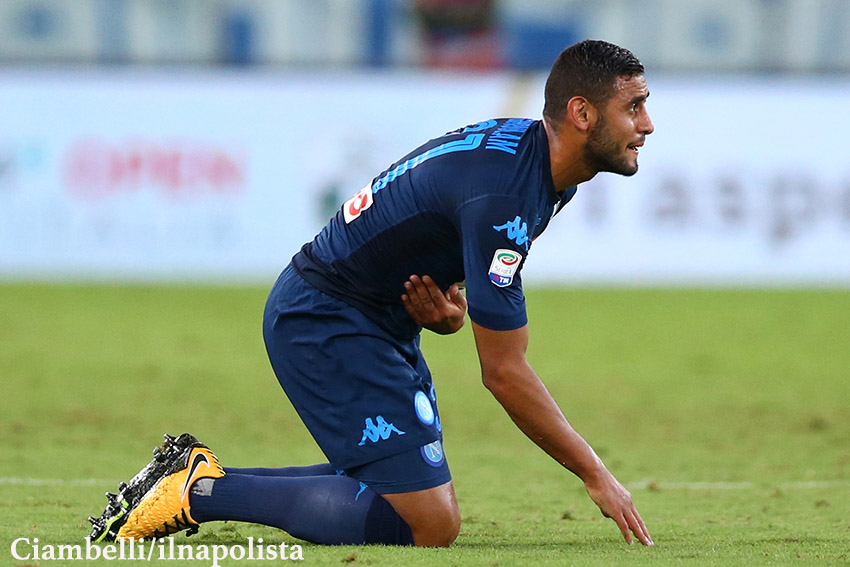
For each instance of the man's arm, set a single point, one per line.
(507, 374)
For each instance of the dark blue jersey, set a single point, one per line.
(464, 206)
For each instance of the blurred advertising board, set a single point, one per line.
(208, 176)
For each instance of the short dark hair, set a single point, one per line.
(589, 69)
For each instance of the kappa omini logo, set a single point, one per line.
(378, 430)
(504, 266)
(516, 230)
(361, 201)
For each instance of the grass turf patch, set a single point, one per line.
(725, 412)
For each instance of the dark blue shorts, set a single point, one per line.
(366, 396)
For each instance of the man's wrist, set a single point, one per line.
(593, 472)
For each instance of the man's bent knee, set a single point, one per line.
(432, 514)
(437, 534)
(443, 538)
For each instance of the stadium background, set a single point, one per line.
(691, 319)
(207, 140)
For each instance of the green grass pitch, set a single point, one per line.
(727, 414)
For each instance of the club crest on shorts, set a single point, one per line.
(504, 266)
(432, 453)
(424, 410)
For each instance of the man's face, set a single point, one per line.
(613, 142)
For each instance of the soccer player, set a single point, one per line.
(342, 327)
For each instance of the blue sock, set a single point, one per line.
(330, 509)
(311, 470)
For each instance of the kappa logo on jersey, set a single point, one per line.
(516, 230)
(352, 208)
(504, 266)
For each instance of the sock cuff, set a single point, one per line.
(384, 525)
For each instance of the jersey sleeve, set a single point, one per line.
(495, 242)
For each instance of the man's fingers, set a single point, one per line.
(428, 293)
(639, 528)
(434, 292)
(412, 302)
(411, 295)
(427, 303)
(455, 296)
(458, 298)
(634, 524)
(451, 292)
(615, 502)
(412, 309)
(418, 297)
(630, 522)
(624, 528)
(423, 296)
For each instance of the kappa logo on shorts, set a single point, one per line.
(378, 430)
(363, 487)
(504, 266)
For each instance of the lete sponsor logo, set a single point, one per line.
(352, 208)
(504, 266)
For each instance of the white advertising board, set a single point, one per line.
(211, 177)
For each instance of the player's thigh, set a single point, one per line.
(432, 514)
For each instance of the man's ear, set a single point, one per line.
(581, 114)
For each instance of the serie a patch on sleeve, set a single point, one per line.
(504, 267)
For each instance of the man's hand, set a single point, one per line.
(615, 502)
(443, 313)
